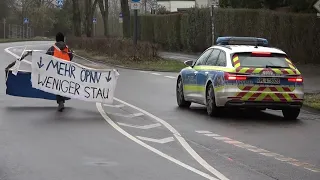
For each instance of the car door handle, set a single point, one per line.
(206, 73)
(196, 72)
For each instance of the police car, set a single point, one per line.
(242, 72)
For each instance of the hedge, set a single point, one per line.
(296, 34)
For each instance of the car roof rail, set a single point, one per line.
(276, 48)
(253, 41)
(225, 46)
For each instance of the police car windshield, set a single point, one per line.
(272, 61)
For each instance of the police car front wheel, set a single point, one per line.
(291, 114)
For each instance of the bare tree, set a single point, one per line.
(104, 9)
(126, 18)
(76, 18)
(4, 4)
(89, 11)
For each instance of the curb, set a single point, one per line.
(141, 69)
(311, 109)
(126, 67)
(131, 68)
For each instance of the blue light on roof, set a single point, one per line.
(253, 41)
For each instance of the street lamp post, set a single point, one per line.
(214, 5)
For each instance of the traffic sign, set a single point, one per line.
(60, 2)
(135, 6)
(94, 20)
(215, 3)
(25, 21)
(317, 6)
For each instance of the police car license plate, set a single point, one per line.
(268, 80)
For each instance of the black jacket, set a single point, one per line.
(61, 45)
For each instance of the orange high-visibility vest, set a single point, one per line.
(61, 54)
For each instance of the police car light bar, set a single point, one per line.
(253, 41)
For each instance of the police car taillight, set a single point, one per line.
(261, 54)
(296, 79)
(234, 77)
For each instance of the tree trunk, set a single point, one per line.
(90, 8)
(76, 18)
(126, 18)
(104, 9)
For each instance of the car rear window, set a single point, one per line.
(262, 61)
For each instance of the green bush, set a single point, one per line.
(196, 30)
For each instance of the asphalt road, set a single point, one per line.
(91, 141)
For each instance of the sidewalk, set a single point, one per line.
(310, 73)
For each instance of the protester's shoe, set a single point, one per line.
(61, 107)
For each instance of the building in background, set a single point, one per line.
(203, 3)
(174, 5)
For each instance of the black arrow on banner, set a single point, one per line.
(109, 77)
(40, 64)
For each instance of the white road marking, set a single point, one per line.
(222, 138)
(143, 71)
(181, 140)
(157, 74)
(140, 127)
(211, 135)
(263, 152)
(160, 141)
(204, 132)
(115, 126)
(127, 115)
(15, 55)
(171, 77)
(114, 106)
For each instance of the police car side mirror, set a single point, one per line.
(188, 63)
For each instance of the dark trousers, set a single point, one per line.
(60, 99)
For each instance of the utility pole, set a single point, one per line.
(135, 5)
(145, 6)
(94, 26)
(27, 31)
(25, 21)
(214, 5)
(4, 28)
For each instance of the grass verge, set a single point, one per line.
(158, 64)
(312, 100)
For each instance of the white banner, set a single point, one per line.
(69, 79)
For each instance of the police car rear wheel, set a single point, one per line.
(180, 96)
(290, 114)
(212, 108)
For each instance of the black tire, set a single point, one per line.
(180, 96)
(291, 114)
(212, 108)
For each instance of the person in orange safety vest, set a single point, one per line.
(62, 51)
